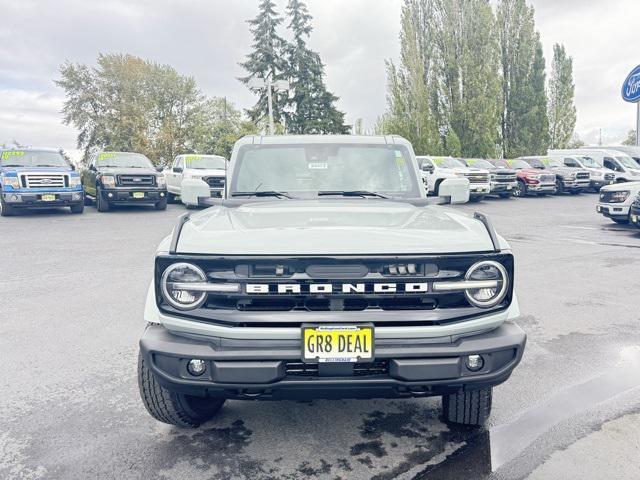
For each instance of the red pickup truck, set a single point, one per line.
(531, 181)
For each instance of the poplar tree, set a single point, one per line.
(312, 107)
(266, 61)
(562, 110)
(537, 126)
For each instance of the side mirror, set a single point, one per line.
(73, 167)
(427, 168)
(456, 189)
(92, 167)
(177, 169)
(159, 168)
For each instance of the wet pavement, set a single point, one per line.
(71, 301)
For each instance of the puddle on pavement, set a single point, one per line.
(487, 451)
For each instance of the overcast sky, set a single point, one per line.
(207, 39)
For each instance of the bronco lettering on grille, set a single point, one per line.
(330, 288)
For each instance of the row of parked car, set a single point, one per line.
(36, 178)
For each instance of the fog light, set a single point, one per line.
(162, 194)
(110, 195)
(196, 367)
(76, 196)
(15, 198)
(475, 362)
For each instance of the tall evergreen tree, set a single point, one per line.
(537, 119)
(562, 111)
(266, 61)
(517, 38)
(313, 106)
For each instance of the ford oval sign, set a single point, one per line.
(631, 86)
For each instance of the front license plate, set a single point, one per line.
(509, 187)
(138, 194)
(48, 198)
(337, 343)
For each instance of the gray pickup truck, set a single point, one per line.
(324, 271)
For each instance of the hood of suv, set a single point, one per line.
(332, 227)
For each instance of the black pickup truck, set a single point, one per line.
(123, 178)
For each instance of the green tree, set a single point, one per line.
(313, 108)
(126, 103)
(631, 138)
(518, 42)
(266, 61)
(562, 110)
(537, 118)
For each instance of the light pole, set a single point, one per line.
(277, 86)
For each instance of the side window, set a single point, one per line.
(611, 165)
(175, 162)
(570, 162)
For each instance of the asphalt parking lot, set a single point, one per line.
(71, 302)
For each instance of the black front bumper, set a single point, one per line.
(273, 369)
(34, 200)
(125, 196)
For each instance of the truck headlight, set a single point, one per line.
(108, 181)
(175, 286)
(12, 182)
(74, 182)
(161, 181)
(496, 282)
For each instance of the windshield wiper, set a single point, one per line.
(12, 165)
(262, 193)
(45, 165)
(351, 193)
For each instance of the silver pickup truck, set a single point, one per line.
(326, 272)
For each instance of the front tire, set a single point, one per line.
(172, 198)
(77, 208)
(505, 195)
(6, 210)
(559, 187)
(521, 190)
(476, 199)
(162, 204)
(468, 408)
(101, 204)
(177, 409)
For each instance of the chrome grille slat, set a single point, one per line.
(44, 180)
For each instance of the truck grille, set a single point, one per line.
(504, 177)
(609, 176)
(290, 294)
(44, 180)
(215, 182)
(477, 177)
(583, 176)
(137, 180)
(547, 178)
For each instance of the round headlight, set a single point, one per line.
(175, 286)
(491, 271)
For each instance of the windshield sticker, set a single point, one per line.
(438, 161)
(192, 158)
(509, 162)
(15, 153)
(102, 156)
(471, 161)
(546, 161)
(318, 166)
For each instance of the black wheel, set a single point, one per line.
(521, 189)
(436, 188)
(174, 408)
(87, 201)
(575, 192)
(467, 408)
(505, 195)
(162, 204)
(101, 204)
(6, 210)
(559, 187)
(77, 208)
(477, 199)
(172, 198)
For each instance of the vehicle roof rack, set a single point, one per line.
(490, 230)
(182, 219)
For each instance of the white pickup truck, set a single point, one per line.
(208, 168)
(436, 169)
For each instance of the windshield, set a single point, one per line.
(627, 161)
(202, 162)
(537, 163)
(478, 163)
(123, 160)
(518, 164)
(32, 158)
(448, 162)
(301, 170)
(589, 162)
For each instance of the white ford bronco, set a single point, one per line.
(324, 271)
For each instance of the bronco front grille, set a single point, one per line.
(215, 182)
(137, 180)
(44, 180)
